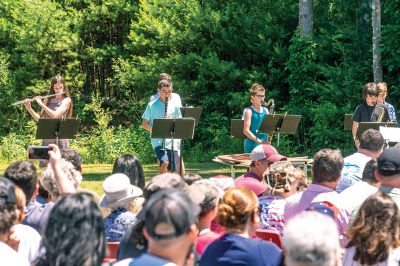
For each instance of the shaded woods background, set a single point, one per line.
(112, 52)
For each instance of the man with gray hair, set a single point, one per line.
(326, 170)
(371, 146)
(311, 239)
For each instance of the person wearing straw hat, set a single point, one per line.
(119, 197)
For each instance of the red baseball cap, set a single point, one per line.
(266, 151)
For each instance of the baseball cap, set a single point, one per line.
(389, 162)
(324, 207)
(169, 213)
(7, 191)
(266, 151)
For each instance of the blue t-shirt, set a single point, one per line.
(155, 110)
(145, 259)
(233, 249)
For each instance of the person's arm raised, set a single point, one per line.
(64, 185)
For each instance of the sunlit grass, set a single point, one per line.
(94, 174)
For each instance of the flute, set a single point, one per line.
(40, 97)
(165, 116)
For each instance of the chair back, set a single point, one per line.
(270, 235)
(111, 253)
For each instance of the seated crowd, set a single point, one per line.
(347, 214)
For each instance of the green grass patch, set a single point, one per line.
(94, 174)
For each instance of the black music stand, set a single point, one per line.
(280, 124)
(60, 128)
(348, 122)
(237, 126)
(362, 126)
(194, 112)
(173, 128)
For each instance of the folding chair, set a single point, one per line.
(271, 236)
(111, 253)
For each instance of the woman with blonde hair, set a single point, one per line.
(285, 180)
(374, 236)
(238, 213)
(58, 106)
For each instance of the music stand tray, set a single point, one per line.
(194, 112)
(173, 128)
(237, 126)
(348, 122)
(362, 126)
(280, 123)
(57, 128)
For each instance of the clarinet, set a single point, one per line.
(165, 116)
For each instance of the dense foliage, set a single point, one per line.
(112, 51)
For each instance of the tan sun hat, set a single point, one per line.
(118, 191)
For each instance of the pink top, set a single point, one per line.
(317, 193)
(204, 239)
(252, 182)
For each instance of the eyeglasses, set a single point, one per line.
(260, 96)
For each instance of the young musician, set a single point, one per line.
(369, 110)
(163, 107)
(382, 94)
(59, 106)
(253, 117)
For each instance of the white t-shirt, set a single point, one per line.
(29, 244)
(352, 170)
(355, 195)
(9, 256)
(393, 259)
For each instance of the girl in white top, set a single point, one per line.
(374, 236)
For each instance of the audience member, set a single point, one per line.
(23, 174)
(371, 146)
(238, 212)
(74, 157)
(388, 173)
(190, 178)
(374, 236)
(133, 244)
(27, 238)
(209, 207)
(261, 158)
(355, 195)
(119, 196)
(170, 227)
(284, 179)
(132, 167)
(8, 215)
(325, 176)
(311, 239)
(49, 181)
(75, 233)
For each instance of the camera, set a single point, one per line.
(38, 152)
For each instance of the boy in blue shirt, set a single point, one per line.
(163, 107)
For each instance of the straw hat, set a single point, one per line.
(118, 191)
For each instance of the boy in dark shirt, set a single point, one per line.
(368, 111)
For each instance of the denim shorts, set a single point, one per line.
(165, 156)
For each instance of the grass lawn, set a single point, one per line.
(94, 174)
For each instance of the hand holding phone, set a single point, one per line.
(55, 155)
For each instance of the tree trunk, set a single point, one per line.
(306, 18)
(376, 41)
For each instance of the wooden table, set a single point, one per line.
(243, 160)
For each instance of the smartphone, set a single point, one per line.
(38, 152)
